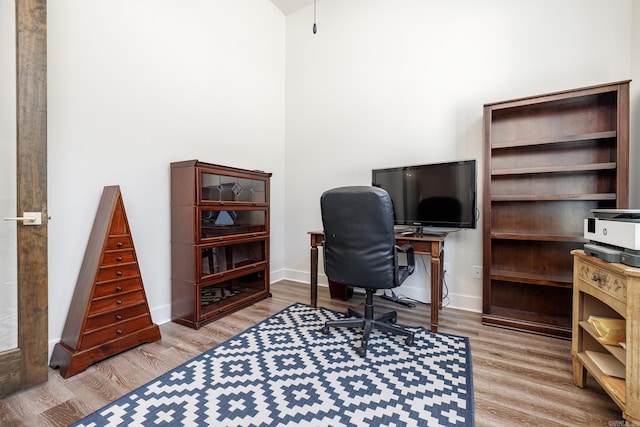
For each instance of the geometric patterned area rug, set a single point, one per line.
(285, 372)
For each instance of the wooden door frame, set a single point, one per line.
(27, 365)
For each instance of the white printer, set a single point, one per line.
(614, 235)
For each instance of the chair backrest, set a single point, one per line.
(359, 246)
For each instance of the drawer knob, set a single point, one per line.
(118, 273)
(119, 258)
(118, 302)
(118, 317)
(119, 332)
(119, 244)
(118, 288)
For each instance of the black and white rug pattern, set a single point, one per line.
(285, 372)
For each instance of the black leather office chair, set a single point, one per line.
(360, 250)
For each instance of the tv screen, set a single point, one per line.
(435, 195)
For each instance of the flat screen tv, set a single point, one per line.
(441, 195)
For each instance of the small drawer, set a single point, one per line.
(118, 257)
(114, 317)
(610, 283)
(113, 272)
(117, 287)
(100, 305)
(109, 333)
(119, 242)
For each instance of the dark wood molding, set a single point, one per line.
(31, 77)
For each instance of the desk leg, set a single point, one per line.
(314, 276)
(441, 279)
(436, 285)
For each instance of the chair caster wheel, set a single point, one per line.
(325, 330)
(393, 320)
(408, 341)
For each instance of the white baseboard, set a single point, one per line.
(162, 314)
(409, 290)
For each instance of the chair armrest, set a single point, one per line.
(405, 248)
(411, 257)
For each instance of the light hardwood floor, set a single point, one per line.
(519, 379)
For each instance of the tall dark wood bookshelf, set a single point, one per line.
(549, 160)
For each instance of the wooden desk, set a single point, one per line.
(424, 244)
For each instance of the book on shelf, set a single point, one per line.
(610, 331)
(608, 364)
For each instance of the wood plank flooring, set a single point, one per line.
(519, 379)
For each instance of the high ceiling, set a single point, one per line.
(290, 6)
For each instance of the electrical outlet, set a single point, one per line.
(476, 272)
(447, 269)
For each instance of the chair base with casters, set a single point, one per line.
(384, 323)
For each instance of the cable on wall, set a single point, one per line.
(315, 27)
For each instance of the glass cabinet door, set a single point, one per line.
(216, 296)
(218, 222)
(218, 259)
(223, 188)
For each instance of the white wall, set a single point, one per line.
(135, 85)
(403, 82)
(8, 189)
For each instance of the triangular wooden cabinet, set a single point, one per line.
(109, 312)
